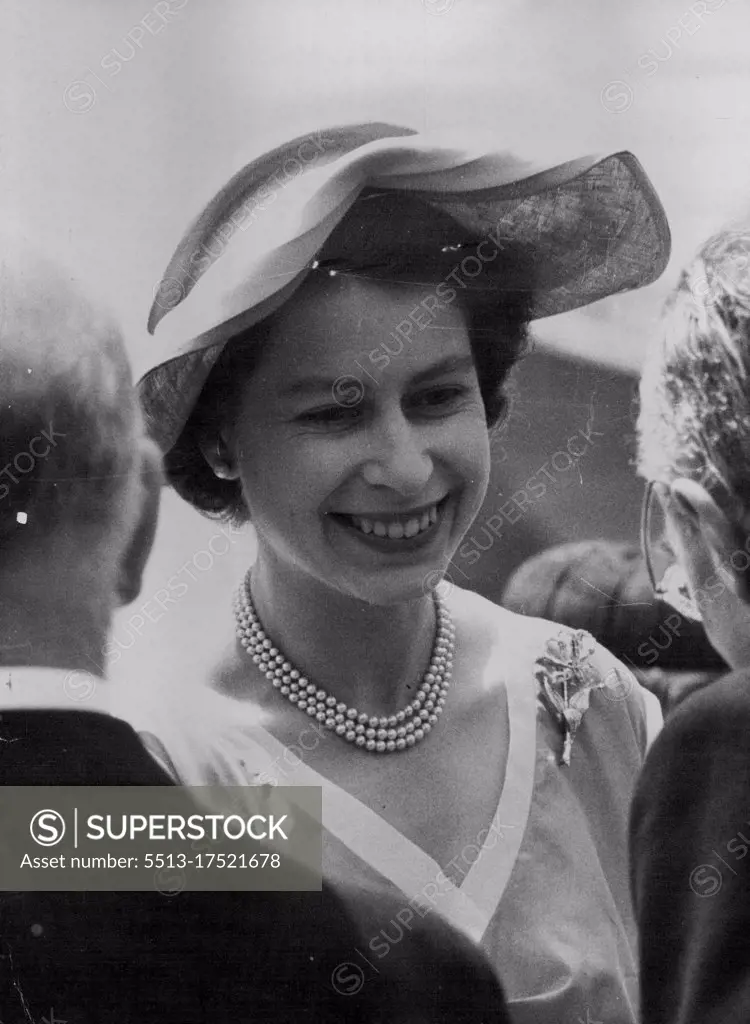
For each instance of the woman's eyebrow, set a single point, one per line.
(453, 364)
(315, 384)
(308, 386)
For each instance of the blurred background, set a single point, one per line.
(119, 120)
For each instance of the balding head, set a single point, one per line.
(69, 422)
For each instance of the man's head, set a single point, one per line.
(694, 438)
(79, 484)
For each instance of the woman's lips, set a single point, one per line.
(395, 527)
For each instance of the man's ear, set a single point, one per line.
(693, 507)
(134, 558)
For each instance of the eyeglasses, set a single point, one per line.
(667, 577)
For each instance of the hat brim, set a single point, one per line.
(589, 228)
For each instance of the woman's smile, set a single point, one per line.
(396, 533)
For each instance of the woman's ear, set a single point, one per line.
(216, 453)
(133, 561)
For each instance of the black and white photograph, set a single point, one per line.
(374, 512)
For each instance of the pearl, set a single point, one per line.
(382, 734)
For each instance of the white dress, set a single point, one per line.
(547, 895)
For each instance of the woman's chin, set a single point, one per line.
(397, 587)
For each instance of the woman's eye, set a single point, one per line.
(332, 415)
(439, 398)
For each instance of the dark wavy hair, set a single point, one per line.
(498, 322)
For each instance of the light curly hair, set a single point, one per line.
(694, 415)
(69, 419)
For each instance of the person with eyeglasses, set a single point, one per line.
(689, 833)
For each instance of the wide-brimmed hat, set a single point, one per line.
(374, 194)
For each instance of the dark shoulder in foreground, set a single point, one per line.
(690, 873)
(715, 719)
(73, 748)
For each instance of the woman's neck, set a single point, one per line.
(370, 657)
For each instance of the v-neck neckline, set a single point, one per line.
(471, 905)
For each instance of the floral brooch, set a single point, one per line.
(566, 680)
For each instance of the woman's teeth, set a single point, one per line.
(397, 531)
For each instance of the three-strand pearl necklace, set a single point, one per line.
(379, 734)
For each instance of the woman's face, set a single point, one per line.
(363, 452)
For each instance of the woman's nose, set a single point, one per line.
(398, 458)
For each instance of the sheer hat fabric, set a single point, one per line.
(383, 196)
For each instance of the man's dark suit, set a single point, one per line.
(690, 840)
(194, 958)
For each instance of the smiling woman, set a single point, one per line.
(475, 761)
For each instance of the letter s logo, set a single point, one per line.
(47, 827)
(347, 979)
